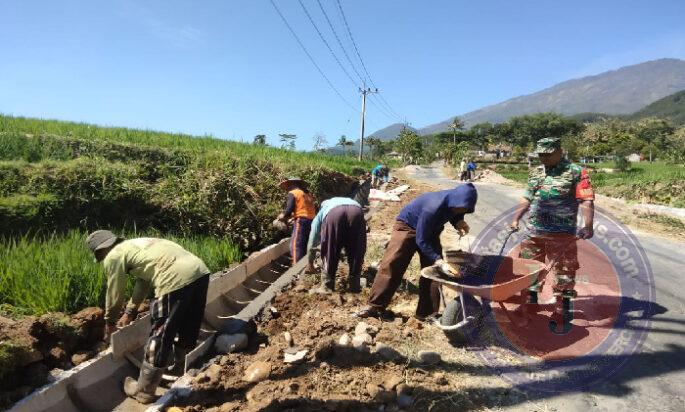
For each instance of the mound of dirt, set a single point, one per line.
(30, 346)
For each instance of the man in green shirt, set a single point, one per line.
(557, 190)
(179, 282)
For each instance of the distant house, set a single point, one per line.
(634, 157)
(394, 155)
(500, 150)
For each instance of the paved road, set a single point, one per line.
(653, 378)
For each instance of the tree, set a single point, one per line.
(320, 142)
(456, 125)
(288, 141)
(344, 143)
(654, 132)
(259, 140)
(409, 145)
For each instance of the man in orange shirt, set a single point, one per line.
(300, 206)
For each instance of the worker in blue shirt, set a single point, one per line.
(339, 224)
(379, 174)
(417, 229)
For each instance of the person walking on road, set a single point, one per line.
(417, 229)
(179, 282)
(339, 224)
(300, 206)
(555, 191)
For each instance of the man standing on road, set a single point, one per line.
(555, 191)
(417, 229)
(339, 224)
(300, 206)
(179, 282)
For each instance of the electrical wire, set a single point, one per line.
(304, 49)
(356, 49)
(337, 60)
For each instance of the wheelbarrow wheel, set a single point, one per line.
(453, 314)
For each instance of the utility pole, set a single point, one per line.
(364, 91)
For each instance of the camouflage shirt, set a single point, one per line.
(554, 193)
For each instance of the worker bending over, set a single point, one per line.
(179, 282)
(417, 229)
(339, 224)
(379, 175)
(300, 206)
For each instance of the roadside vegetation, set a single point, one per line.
(60, 180)
(603, 143)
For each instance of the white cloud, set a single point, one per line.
(175, 35)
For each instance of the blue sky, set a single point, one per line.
(232, 69)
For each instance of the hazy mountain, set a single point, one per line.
(622, 91)
(390, 132)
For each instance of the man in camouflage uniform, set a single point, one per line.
(555, 191)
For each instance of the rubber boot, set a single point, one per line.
(143, 390)
(177, 368)
(354, 284)
(327, 285)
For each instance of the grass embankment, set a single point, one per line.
(59, 180)
(657, 183)
(58, 273)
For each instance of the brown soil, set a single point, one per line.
(31, 346)
(335, 377)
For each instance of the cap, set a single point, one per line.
(100, 239)
(291, 180)
(548, 145)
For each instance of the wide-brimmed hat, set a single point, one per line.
(295, 180)
(100, 239)
(548, 145)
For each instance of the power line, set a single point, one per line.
(335, 56)
(356, 49)
(323, 39)
(304, 49)
(335, 33)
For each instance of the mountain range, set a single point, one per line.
(617, 92)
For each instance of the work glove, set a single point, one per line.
(444, 267)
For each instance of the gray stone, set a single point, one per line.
(288, 339)
(297, 357)
(404, 401)
(387, 352)
(80, 357)
(230, 343)
(429, 357)
(344, 340)
(362, 342)
(257, 372)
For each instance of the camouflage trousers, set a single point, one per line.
(559, 246)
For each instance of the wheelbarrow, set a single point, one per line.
(495, 278)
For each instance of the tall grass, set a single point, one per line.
(198, 144)
(58, 273)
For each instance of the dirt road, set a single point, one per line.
(651, 378)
